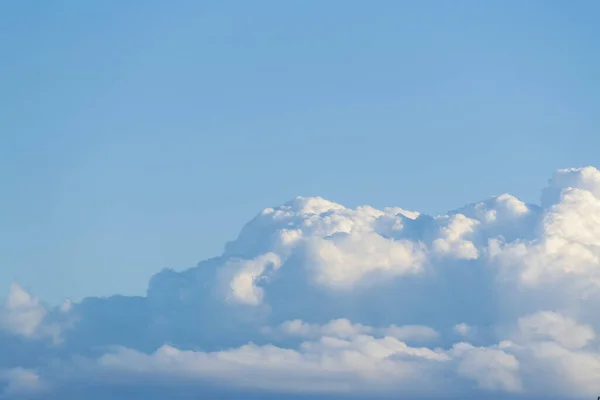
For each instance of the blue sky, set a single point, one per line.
(141, 135)
(144, 135)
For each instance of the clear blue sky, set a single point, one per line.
(143, 134)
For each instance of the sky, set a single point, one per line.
(149, 135)
(141, 135)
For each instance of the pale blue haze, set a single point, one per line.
(141, 135)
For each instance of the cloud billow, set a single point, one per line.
(316, 300)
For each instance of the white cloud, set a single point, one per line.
(558, 328)
(344, 329)
(240, 278)
(411, 333)
(341, 328)
(22, 314)
(345, 260)
(339, 246)
(25, 316)
(566, 246)
(21, 382)
(491, 368)
(345, 295)
(463, 329)
(452, 237)
(328, 364)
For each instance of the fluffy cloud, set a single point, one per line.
(497, 298)
(240, 278)
(22, 314)
(558, 328)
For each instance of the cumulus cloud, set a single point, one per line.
(24, 315)
(240, 278)
(496, 298)
(491, 367)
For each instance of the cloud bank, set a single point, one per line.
(497, 299)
